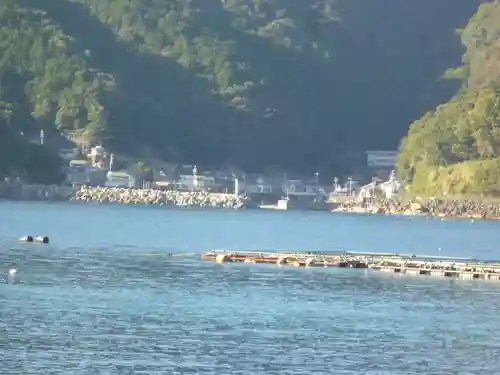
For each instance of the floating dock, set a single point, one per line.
(282, 258)
(450, 267)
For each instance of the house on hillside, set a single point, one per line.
(259, 185)
(77, 172)
(189, 178)
(196, 182)
(68, 154)
(391, 188)
(81, 172)
(121, 179)
(99, 157)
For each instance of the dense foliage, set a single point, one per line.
(456, 149)
(288, 83)
(43, 84)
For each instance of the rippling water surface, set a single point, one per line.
(104, 298)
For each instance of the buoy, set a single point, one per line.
(221, 258)
(26, 239)
(42, 239)
(282, 260)
(12, 276)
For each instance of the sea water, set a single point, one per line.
(104, 297)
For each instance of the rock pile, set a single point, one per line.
(434, 207)
(159, 197)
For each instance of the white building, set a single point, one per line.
(78, 172)
(257, 186)
(120, 179)
(368, 191)
(300, 189)
(390, 188)
(68, 153)
(381, 159)
(195, 182)
(97, 155)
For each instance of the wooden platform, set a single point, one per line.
(451, 267)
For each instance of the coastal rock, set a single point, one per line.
(160, 197)
(434, 207)
(417, 208)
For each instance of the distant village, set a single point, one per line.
(99, 168)
(93, 174)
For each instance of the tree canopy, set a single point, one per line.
(456, 148)
(299, 85)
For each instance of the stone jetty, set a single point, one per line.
(159, 197)
(15, 190)
(444, 208)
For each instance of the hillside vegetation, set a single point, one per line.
(300, 85)
(43, 84)
(456, 148)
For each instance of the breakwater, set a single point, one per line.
(21, 191)
(15, 190)
(456, 268)
(159, 197)
(467, 209)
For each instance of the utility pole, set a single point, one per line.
(111, 161)
(195, 178)
(393, 175)
(374, 184)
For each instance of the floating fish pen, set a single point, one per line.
(297, 259)
(452, 267)
(456, 268)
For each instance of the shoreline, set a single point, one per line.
(418, 214)
(438, 208)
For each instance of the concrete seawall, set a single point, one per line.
(21, 191)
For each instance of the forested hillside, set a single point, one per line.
(456, 149)
(301, 85)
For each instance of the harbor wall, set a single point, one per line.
(21, 191)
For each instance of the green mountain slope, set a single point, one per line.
(456, 149)
(302, 85)
(43, 84)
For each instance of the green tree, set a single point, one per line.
(456, 148)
